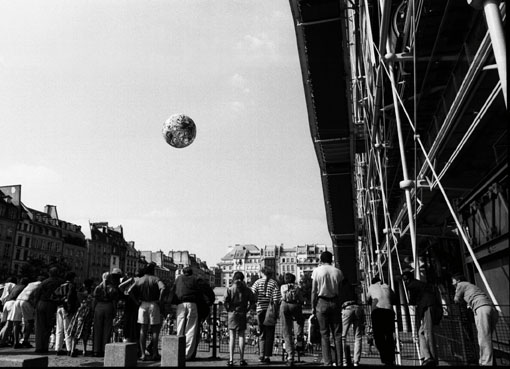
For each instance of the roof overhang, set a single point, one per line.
(323, 53)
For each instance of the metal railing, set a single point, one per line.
(456, 337)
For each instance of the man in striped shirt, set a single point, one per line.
(264, 289)
(326, 283)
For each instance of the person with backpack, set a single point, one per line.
(239, 299)
(429, 312)
(291, 309)
(66, 298)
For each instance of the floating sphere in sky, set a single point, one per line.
(179, 131)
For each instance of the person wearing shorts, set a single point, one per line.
(148, 291)
(24, 312)
(9, 312)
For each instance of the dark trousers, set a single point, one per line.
(266, 339)
(103, 323)
(383, 326)
(45, 317)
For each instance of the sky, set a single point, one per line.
(87, 85)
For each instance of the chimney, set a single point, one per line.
(51, 210)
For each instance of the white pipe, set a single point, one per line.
(412, 231)
(495, 26)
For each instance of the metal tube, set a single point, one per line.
(495, 26)
(412, 231)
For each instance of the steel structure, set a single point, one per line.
(407, 106)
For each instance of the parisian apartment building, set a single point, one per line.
(299, 260)
(30, 237)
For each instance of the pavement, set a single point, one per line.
(203, 359)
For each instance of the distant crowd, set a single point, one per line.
(136, 307)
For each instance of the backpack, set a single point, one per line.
(290, 295)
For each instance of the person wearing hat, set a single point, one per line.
(486, 315)
(116, 275)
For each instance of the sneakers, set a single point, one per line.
(27, 345)
(17, 346)
(61, 353)
(243, 362)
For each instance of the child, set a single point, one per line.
(292, 301)
(239, 299)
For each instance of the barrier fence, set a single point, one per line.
(455, 336)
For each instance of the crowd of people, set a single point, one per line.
(136, 305)
(54, 305)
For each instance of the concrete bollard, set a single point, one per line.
(173, 351)
(24, 361)
(121, 354)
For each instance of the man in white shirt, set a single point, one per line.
(24, 312)
(383, 319)
(326, 281)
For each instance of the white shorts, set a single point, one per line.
(7, 312)
(23, 311)
(149, 313)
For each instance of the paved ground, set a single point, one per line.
(204, 359)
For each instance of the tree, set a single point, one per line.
(33, 268)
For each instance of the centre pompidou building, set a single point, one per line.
(407, 106)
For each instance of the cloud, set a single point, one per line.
(257, 47)
(236, 106)
(239, 83)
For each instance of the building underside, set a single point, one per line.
(408, 116)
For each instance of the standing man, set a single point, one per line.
(148, 291)
(428, 315)
(66, 297)
(352, 314)
(46, 310)
(383, 319)
(326, 281)
(486, 315)
(186, 290)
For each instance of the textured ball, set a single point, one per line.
(179, 130)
